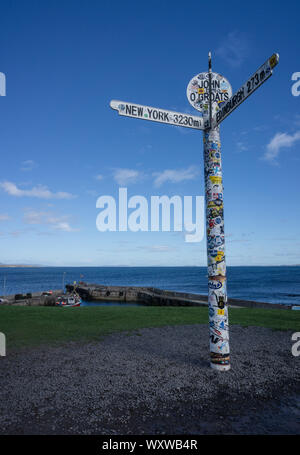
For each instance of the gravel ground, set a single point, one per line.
(153, 381)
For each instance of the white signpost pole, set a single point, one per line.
(211, 94)
(207, 92)
(217, 291)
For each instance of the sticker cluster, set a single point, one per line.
(198, 93)
(217, 292)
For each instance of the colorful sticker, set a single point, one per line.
(212, 284)
(215, 179)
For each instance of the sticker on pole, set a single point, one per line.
(198, 93)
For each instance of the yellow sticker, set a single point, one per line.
(215, 179)
(211, 204)
(221, 312)
(200, 90)
(273, 60)
(219, 256)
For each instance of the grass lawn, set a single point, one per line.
(32, 326)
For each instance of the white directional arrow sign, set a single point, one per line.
(156, 114)
(259, 77)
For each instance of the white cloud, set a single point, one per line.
(39, 191)
(175, 176)
(4, 217)
(126, 176)
(91, 193)
(99, 177)
(33, 217)
(28, 165)
(279, 141)
(233, 49)
(241, 147)
(59, 223)
(64, 226)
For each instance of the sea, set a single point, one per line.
(263, 284)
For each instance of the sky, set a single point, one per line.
(62, 146)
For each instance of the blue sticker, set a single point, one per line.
(214, 284)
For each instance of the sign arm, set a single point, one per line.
(156, 114)
(260, 76)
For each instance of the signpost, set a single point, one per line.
(210, 94)
(156, 114)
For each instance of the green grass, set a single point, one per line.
(32, 326)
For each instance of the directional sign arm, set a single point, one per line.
(256, 80)
(155, 114)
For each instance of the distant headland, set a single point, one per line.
(19, 265)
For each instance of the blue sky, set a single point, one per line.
(62, 146)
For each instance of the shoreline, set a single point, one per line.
(154, 296)
(274, 285)
(149, 296)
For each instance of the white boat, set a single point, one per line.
(68, 300)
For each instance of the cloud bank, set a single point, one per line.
(39, 191)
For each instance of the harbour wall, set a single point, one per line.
(155, 297)
(149, 296)
(32, 299)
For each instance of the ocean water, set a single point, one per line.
(265, 284)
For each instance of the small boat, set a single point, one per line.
(68, 300)
(47, 293)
